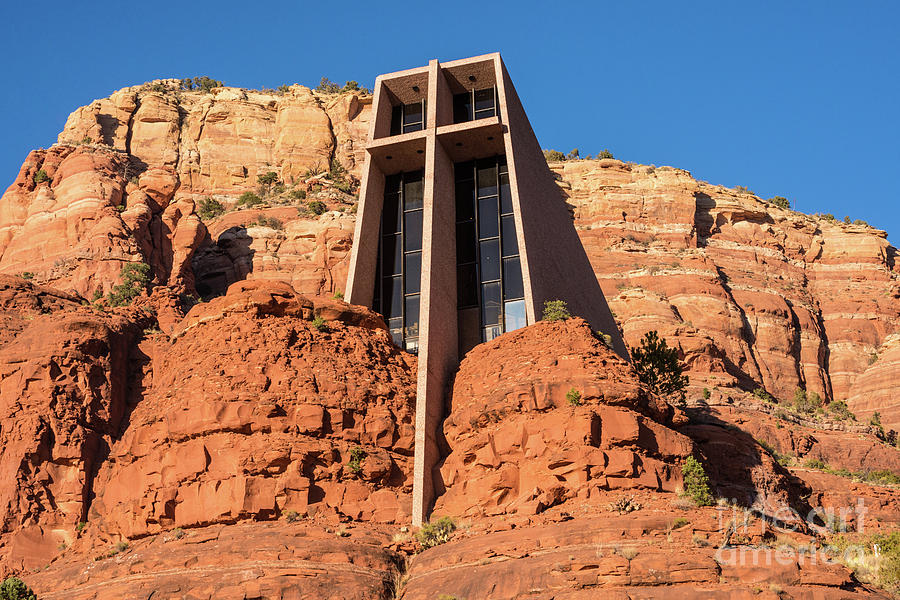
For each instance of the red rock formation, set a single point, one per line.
(518, 444)
(749, 292)
(253, 413)
(65, 378)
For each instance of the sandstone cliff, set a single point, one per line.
(751, 294)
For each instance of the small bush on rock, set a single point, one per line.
(605, 154)
(573, 397)
(320, 324)
(554, 156)
(41, 176)
(436, 533)
(357, 456)
(317, 207)
(209, 209)
(14, 588)
(696, 483)
(658, 366)
(135, 277)
(249, 199)
(555, 310)
(780, 202)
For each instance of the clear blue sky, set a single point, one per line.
(796, 98)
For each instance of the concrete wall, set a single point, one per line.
(556, 265)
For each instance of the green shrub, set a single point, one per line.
(658, 366)
(555, 310)
(298, 194)
(816, 463)
(317, 207)
(249, 199)
(326, 86)
(780, 202)
(680, 522)
(203, 84)
(210, 209)
(573, 397)
(80, 527)
(436, 533)
(803, 403)
(696, 483)
(339, 295)
(573, 155)
(706, 393)
(41, 176)
(846, 220)
(828, 217)
(14, 588)
(875, 422)
(554, 156)
(135, 278)
(357, 456)
(270, 222)
(27, 275)
(861, 222)
(292, 516)
(267, 180)
(158, 87)
(765, 396)
(320, 324)
(605, 154)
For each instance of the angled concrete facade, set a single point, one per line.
(461, 232)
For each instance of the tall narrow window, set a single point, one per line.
(475, 104)
(408, 117)
(399, 265)
(490, 290)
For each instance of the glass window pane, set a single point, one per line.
(490, 303)
(391, 255)
(412, 113)
(412, 316)
(462, 107)
(487, 180)
(466, 286)
(512, 279)
(484, 99)
(491, 332)
(469, 329)
(411, 345)
(413, 272)
(412, 127)
(490, 260)
(393, 297)
(412, 230)
(508, 235)
(392, 184)
(395, 326)
(505, 195)
(465, 200)
(514, 315)
(465, 242)
(488, 225)
(413, 191)
(464, 171)
(390, 218)
(396, 119)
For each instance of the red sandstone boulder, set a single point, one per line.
(518, 445)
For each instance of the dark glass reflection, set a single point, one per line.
(412, 272)
(489, 274)
(399, 268)
(490, 259)
(475, 104)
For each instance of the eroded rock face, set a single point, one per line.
(66, 376)
(518, 444)
(750, 293)
(248, 560)
(253, 413)
(128, 171)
